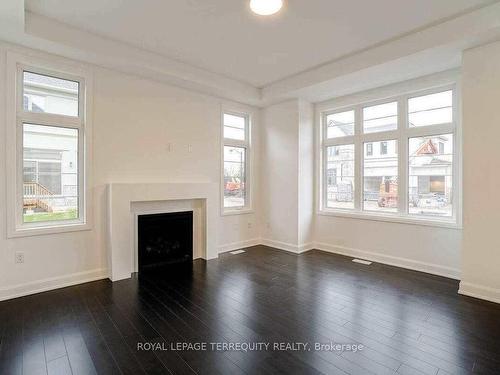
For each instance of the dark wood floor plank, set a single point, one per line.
(34, 360)
(409, 322)
(59, 366)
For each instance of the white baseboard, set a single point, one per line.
(305, 247)
(87, 276)
(410, 264)
(296, 249)
(238, 245)
(44, 285)
(479, 291)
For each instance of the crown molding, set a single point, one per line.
(428, 50)
(41, 33)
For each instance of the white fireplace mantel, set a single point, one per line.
(121, 218)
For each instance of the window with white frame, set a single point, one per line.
(395, 157)
(50, 137)
(236, 156)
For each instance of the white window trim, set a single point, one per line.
(16, 116)
(402, 135)
(247, 144)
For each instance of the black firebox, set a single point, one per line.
(165, 239)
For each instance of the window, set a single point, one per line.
(50, 173)
(47, 94)
(382, 117)
(340, 172)
(407, 158)
(431, 175)
(432, 109)
(236, 153)
(369, 149)
(51, 148)
(340, 124)
(383, 148)
(380, 178)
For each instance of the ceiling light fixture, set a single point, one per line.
(265, 7)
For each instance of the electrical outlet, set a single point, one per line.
(249, 225)
(19, 257)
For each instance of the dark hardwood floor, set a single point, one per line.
(408, 322)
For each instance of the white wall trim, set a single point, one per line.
(52, 283)
(390, 260)
(296, 249)
(406, 55)
(415, 265)
(238, 245)
(472, 290)
(479, 291)
(48, 35)
(306, 247)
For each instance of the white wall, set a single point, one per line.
(306, 175)
(133, 121)
(279, 173)
(481, 129)
(288, 175)
(429, 249)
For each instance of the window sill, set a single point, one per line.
(241, 211)
(410, 220)
(28, 231)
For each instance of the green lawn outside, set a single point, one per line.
(51, 216)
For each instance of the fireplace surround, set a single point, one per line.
(127, 201)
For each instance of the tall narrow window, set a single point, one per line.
(236, 152)
(369, 149)
(383, 148)
(51, 124)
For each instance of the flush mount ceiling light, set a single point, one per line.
(265, 7)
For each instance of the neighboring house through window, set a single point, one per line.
(50, 189)
(422, 126)
(236, 156)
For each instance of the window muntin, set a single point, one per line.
(395, 175)
(381, 117)
(340, 176)
(340, 124)
(431, 109)
(236, 150)
(380, 177)
(430, 183)
(47, 94)
(50, 173)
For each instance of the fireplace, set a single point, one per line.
(164, 239)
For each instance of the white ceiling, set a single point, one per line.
(224, 37)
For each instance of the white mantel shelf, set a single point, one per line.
(121, 222)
